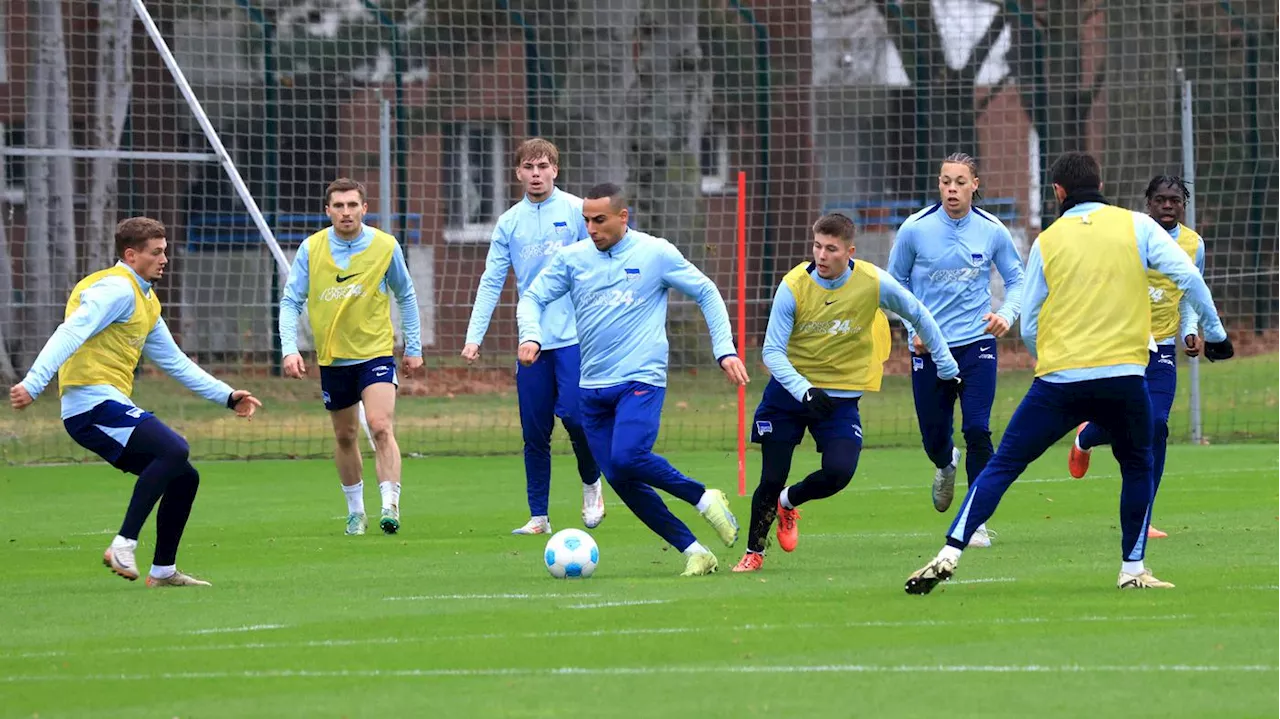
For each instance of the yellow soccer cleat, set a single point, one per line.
(177, 579)
(930, 575)
(699, 564)
(1146, 580)
(721, 519)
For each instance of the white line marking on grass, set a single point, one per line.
(598, 633)
(92, 534)
(869, 535)
(434, 597)
(232, 630)
(662, 670)
(987, 580)
(630, 603)
(49, 549)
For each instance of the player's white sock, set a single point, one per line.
(121, 541)
(695, 548)
(950, 552)
(782, 498)
(355, 497)
(1134, 568)
(704, 502)
(390, 494)
(164, 572)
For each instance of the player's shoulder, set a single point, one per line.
(511, 216)
(989, 220)
(568, 198)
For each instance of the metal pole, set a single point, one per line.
(384, 165)
(1189, 174)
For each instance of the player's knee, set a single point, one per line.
(1160, 430)
(626, 461)
(977, 439)
(346, 438)
(380, 428)
(176, 450)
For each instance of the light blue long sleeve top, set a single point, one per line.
(109, 300)
(524, 240)
(397, 279)
(619, 300)
(1188, 317)
(946, 263)
(1157, 251)
(893, 297)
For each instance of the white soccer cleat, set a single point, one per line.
(177, 579)
(981, 537)
(944, 483)
(119, 559)
(1146, 580)
(535, 525)
(593, 504)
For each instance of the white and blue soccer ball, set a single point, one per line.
(571, 554)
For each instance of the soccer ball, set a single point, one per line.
(571, 554)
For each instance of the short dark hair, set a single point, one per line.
(343, 184)
(1076, 171)
(1172, 181)
(836, 225)
(617, 196)
(134, 232)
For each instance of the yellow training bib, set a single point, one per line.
(1096, 314)
(111, 356)
(350, 315)
(1165, 295)
(840, 339)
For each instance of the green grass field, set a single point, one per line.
(1240, 404)
(455, 618)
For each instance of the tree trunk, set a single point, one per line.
(41, 317)
(62, 218)
(591, 108)
(115, 36)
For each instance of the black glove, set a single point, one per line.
(1214, 351)
(818, 403)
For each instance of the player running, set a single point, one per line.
(943, 254)
(618, 285)
(1167, 204)
(825, 345)
(112, 320)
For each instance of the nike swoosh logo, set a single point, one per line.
(831, 302)
(344, 279)
(808, 396)
(983, 349)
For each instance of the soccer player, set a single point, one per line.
(346, 271)
(526, 237)
(943, 254)
(825, 345)
(112, 320)
(1088, 325)
(618, 285)
(1167, 205)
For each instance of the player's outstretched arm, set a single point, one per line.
(401, 284)
(161, 349)
(896, 298)
(902, 259)
(496, 266)
(550, 285)
(1190, 324)
(1164, 256)
(782, 317)
(680, 274)
(1009, 263)
(107, 301)
(292, 302)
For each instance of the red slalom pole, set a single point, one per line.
(742, 330)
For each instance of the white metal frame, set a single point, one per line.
(716, 182)
(477, 232)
